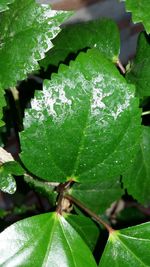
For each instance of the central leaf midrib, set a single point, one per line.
(81, 143)
(67, 242)
(49, 244)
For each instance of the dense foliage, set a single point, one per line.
(83, 142)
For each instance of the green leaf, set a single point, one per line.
(140, 68)
(128, 247)
(7, 181)
(8, 167)
(2, 105)
(4, 4)
(88, 120)
(85, 227)
(14, 168)
(98, 196)
(102, 34)
(44, 240)
(137, 178)
(42, 188)
(26, 33)
(140, 11)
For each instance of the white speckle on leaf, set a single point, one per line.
(121, 107)
(54, 102)
(98, 94)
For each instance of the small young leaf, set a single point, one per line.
(137, 178)
(128, 247)
(140, 68)
(88, 120)
(97, 196)
(7, 182)
(8, 167)
(140, 11)
(4, 4)
(102, 34)
(26, 31)
(86, 228)
(44, 240)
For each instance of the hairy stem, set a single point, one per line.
(89, 212)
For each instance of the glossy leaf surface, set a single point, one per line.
(86, 228)
(140, 11)
(26, 33)
(128, 247)
(88, 120)
(8, 167)
(4, 4)
(102, 34)
(137, 178)
(140, 68)
(97, 196)
(44, 240)
(7, 181)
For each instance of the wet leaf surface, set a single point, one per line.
(44, 240)
(88, 120)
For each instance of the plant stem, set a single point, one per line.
(146, 113)
(59, 203)
(120, 66)
(61, 189)
(89, 212)
(15, 95)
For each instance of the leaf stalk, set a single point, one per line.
(146, 113)
(89, 212)
(121, 67)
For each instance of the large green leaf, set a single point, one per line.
(140, 68)
(102, 34)
(86, 228)
(128, 247)
(88, 120)
(44, 240)
(137, 178)
(4, 4)
(26, 31)
(140, 11)
(97, 196)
